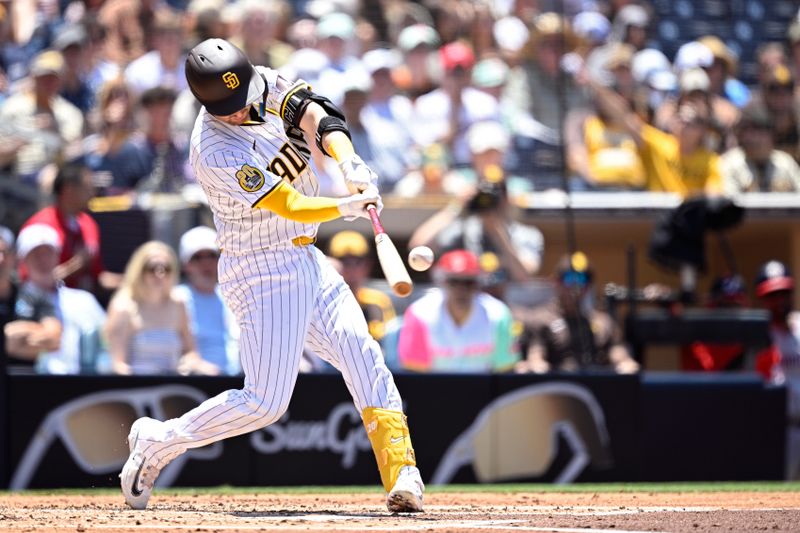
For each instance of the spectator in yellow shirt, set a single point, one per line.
(675, 162)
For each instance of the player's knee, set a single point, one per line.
(265, 410)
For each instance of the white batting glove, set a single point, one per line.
(355, 206)
(357, 174)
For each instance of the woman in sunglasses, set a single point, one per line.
(148, 328)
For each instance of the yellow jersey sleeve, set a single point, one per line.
(286, 201)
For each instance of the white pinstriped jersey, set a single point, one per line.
(238, 165)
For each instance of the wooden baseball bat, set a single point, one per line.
(394, 270)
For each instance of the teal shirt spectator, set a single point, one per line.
(214, 327)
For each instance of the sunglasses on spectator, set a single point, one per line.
(200, 256)
(467, 283)
(159, 269)
(352, 260)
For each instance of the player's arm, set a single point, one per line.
(323, 121)
(286, 201)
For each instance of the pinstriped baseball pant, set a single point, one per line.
(281, 299)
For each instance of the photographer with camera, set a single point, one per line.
(479, 220)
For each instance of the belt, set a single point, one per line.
(303, 240)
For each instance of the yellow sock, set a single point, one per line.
(388, 433)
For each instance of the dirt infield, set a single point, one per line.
(471, 512)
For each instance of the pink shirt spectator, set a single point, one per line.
(430, 340)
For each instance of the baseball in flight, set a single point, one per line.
(420, 258)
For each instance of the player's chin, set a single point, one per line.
(236, 119)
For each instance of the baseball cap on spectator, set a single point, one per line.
(70, 35)
(551, 25)
(773, 276)
(647, 62)
(456, 54)
(336, 25)
(381, 59)
(36, 235)
(487, 135)
(348, 243)
(458, 264)
(591, 26)
(417, 35)
(320, 8)
(720, 51)
(510, 33)
(47, 62)
(198, 239)
(694, 79)
(693, 54)
(630, 15)
(7, 236)
(490, 72)
(356, 79)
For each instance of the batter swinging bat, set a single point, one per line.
(393, 267)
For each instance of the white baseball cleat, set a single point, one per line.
(406, 495)
(138, 475)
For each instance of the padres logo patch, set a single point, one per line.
(250, 178)
(231, 80)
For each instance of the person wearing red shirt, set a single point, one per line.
(80, 264)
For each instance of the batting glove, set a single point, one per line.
(355, 206)
(357, 174)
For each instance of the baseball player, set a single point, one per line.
(250, 152)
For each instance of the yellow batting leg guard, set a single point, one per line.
(388, 432)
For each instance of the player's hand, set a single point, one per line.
(357, 174)
(355, 206)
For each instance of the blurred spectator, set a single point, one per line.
(722, 72)
(163, 66)
(592, 28)
(212, 324)
(432, 178)
(569, 333)
(56, 326)
(352, 251)
(726, 292)
(335, 34)
(125, 36)
(387, 118)
(768, 56)
(780, 364)
(480, 222)
(537, 86)
(652, 71)
(80, 264)
(37, 123)
(793, 38)
(100, 68)
(157, 146)
(8, 285)
(776, 94)
(444, 115)
(148, 330)
(71, 40)
(258, 35)
(755, 165)
(455, 327)
(675, 162)
(116, 162)
(414, 75)
(599, 148)
(695, 88)
(630, 26)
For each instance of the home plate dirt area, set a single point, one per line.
(445, 511)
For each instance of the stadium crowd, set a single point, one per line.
(472, 101)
